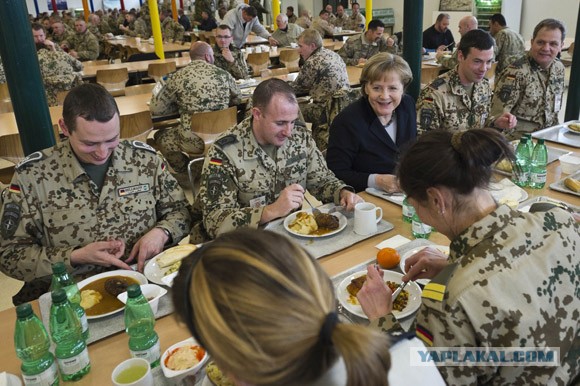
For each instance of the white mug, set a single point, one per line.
(249, 50)
(366, 217)
(274, 49)
(258, 50)
(146, 378)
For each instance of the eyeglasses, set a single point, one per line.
(222, 37)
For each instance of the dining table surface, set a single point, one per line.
(90, 70)
(145, 46)
(105, 354)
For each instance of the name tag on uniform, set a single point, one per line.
(136, 189)
(258, 202)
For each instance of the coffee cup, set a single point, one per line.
(258, 50)
(274, 49)
(366, 217)
(249, 50)
(133, 372)
(137, 40)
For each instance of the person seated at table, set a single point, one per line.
(82, 45)
(304, 21)
(356, 21)
(366, 138)
(93, 201)
(171, 30)
(359, 48)
(137, 26)
(475, 297)
(438, 36)
(322, 25)
(259, 170)
(242, 20)
(208, 22)
(444, 57)
(287, 33)
(59, 33)
(290, 14)
(199, 86)
(294, 336)
(228, 56)
(331, 15)
(341, 17)
(183, 19)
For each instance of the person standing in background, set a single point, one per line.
(510, 44)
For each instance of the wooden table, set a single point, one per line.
(90, 71)
(145, 47)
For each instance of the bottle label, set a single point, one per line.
(151, 354)
(420, 228)
(72, 365)
(538, 178)
(408, 211)
(84, 322)
(47, 377)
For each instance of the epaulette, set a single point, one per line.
(36, 156)
(518, 63)
(142, 146)
(226, 140)
(437, 83)
(436, 288)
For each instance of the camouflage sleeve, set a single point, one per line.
(164, 102)
(428, 111)
(2, 73)
(218, 197)
(235, 93)
(304, 80)
(141, 29)
(448, 61)
(386, 324)
(89, 49)
(321, 182)
(179, 32)
(75, 63)
(239, 67)
(347, 54)
(507, 93)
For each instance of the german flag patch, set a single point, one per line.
(424, 334)
(215, 161)
(434, 291)
(14, 188)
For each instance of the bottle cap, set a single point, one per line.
(524, 140)
(133, 291)
(541, 141)
(58, 268)
(58, 296)
(24, 310)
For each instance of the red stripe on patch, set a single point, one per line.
(424, 334)
(215, 161)
(14, 188)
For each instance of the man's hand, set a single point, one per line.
(149, 245)
(105, 253)
(425, 264)
(349, 199)
(362, 61)
(74, 54)
(273, 42)
(290, 198)
(227, 54)
(390, 42)
(388, 183)
(375, 297)
(505, 121)
(50, 45)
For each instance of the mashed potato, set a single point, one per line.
(304, 224)
(90, 298)
(184, 358)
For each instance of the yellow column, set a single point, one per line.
(275, 12)
(86, 10)
(156, 27)
(174, 9)
(369, 12)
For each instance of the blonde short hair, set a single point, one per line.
(380, 64)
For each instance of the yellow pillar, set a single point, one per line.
(174, 9)
(275, 12)
(86, 10)
(369, 12)
(156, 28)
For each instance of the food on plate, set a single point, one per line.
(572, 184)
(117, 285)
(511, 203)
(325, 220)
(504, 165)
(172, 268)
(175, 254)
(216, 376)
(90, 298)
(304, 223)
(357, 283)
(109, 302)
(184, 357)
(574, 127)
(388, 258)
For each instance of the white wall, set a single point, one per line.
(536, 10)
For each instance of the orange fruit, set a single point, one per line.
(388, 258)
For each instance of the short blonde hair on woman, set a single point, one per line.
(378, 65)
(257, 303)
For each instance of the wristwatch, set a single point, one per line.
(169, 237)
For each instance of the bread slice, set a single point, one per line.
(175, 254)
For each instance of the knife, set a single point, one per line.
(398, 290)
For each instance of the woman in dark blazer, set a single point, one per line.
(367, 137)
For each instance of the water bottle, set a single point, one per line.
(538, 165)
(530, 143)
(408, 211)
(71, 350)
(521, 172)
(32, 347)
(61, 279)
(419, 229)
(139, 324)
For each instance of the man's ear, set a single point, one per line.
(63, 127)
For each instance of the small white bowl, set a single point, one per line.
(570, 163)
(150, 291)
(180, 374)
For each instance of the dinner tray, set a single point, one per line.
(525, 206)
(559, 185)
(559, 134)
(394, 198)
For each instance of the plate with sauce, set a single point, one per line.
(320, 232)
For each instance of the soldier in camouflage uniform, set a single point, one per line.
(227, 56)
(171, 30)
(476, 297)
(341, 17)
(83, 45)
(60, 72)
(466, 24)
(138, 26)
(92, 202)
(359, 48)
(322, 25)
(322, 74)
(460, 98)
(59, 34)
(198, 87)
(331, 15)
(258, 171)
(532, 87)
(510, 44)
(203, 5)
(356, 21)
(286, 33)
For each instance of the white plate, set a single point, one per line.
(412, 288)
(342, 221)
(442, 248)
(570, 130)
(155, 273)
(120, 272)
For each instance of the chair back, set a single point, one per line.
(208, 125)
(571, 48)
(114, 80)
(159, 70)
(136, 126)
(290, 59)
(258, 62)
(60, 96)
(11, 146)
(428, 74)
(4, 92)
(138, 89)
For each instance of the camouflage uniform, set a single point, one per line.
(239, 178)
(530, 93)
(198, 87)
(304, 22)
(59, 39)
(478, 299)
(60, 72)
(53, 207)
(323, 27)
(85, 44)
(171, 30)
(140, 27)
(510, 46)
(341, 21)
(355, 22)
(203, 5)
(444, 104)
(357, 47)
(284, 38)
(448, 62)
(331, 18)
(2, 73)
(238, 69)
(322, 74)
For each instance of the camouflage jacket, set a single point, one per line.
(2, 73)
(238, 69)
(510, 46)
(341, 21)
(239, 178)
(171, 30)
(530, 93)
(322, 74)
(304, 22)
(52, 207)
(444, 104)
(60, 72)
(512, 281)
(448, 61)
(357, 47)
(197, 87)
(60, 39)
(284, 38)
(355, 22)
(140, 27)
(86, 45)
(323, 27)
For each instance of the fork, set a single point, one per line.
(398, 290)
(315, 211)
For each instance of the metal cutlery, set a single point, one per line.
(398, 290)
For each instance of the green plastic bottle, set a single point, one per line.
(538, 165)
(32, 347)
(521, 172)
(71, 350)
(408, 211)
(419, 229)
(139, 324)
(61, 279)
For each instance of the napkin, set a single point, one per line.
(3, 379)
(393, 242)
